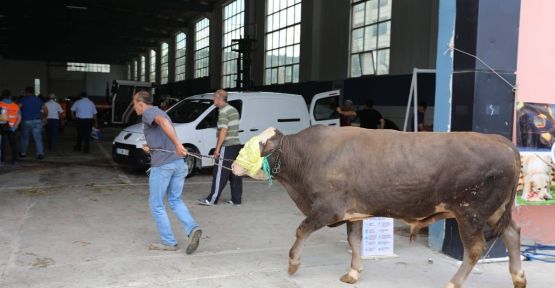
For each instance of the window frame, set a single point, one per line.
(164, 60)
(136, 70)
(152, 71)
(87, 67)
(233, 15)
(369, 58)
(204, 69)
(142, 72)
(180, 76)
(282, 60)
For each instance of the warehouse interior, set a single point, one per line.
(74, 219)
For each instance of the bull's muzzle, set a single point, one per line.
(238, 170)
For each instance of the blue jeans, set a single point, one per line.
(168, 180)
(33, 127)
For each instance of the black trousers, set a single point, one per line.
(221, 176)
(52, 130)
(84, 129)
(9, 137)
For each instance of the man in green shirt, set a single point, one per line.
(227, 147)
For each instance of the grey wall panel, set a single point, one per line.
(413, 35)
(96, 82)
(65, 88)
(334, 29)
(256, 18)
(17, 74)
(216, 44)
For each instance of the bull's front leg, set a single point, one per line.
(354, 236)
(309, 225)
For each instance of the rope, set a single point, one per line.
(195, 155)
(490, 247)
(451, 47)
(200, 156)
(531, 253)
(548, 164)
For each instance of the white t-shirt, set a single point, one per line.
(53, 109)
(84, 109)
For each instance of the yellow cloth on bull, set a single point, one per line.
(249, 157)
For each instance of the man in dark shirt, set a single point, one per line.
(369, 117)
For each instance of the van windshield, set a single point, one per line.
(188, 110)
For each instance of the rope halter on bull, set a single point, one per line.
(269, 171)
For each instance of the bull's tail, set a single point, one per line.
(506, 218)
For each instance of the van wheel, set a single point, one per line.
(191, 161)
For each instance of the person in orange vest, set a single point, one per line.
(9, 127)
(63, 119)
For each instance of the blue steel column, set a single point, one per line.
(442, 108)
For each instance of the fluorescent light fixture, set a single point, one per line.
(71, 7)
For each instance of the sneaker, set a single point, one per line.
(205, 202)
(194, 239)
(40, 157)
(232, 203)
(162, 247)
(22, 155)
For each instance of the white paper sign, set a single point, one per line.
(377, 237)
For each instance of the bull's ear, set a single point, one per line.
(271, 144)
(266, 148)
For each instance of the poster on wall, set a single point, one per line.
(535, 137)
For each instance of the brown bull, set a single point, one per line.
(343, 175)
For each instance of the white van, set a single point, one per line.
(195, 118)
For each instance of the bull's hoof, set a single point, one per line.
(351, 277)
(519, 280)
(412, 237)
(293, 268)
(348, 279)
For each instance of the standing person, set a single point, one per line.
(63, 120)
(55, 114)
(227, 147)
(167, 174)
(369, 117)
(345, 120)
(32, 110)
(422, 106)
(84, 112)
(8, 128)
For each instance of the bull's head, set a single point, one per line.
(249, 161)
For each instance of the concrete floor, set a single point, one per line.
(77, 220)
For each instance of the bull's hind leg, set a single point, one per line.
(354, 236)
(472, 237)
(511, 238)
(309, 225)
